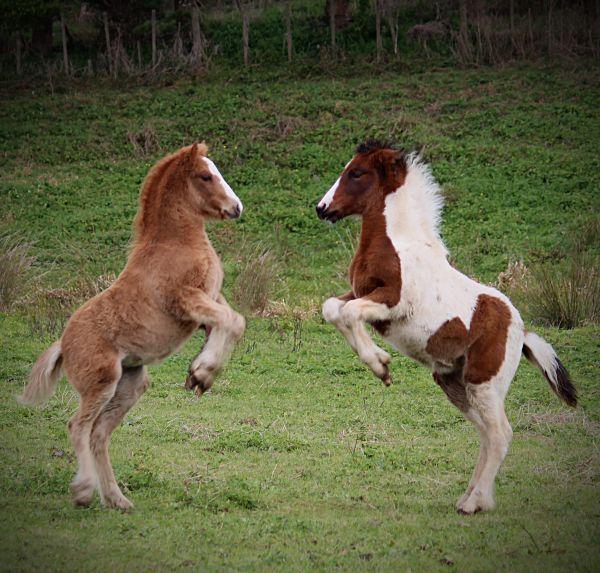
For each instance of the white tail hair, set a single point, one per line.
(44, 376)
(540, 353)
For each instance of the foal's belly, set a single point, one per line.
(155, 341)
(411, 340)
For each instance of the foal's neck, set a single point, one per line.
(164, 217)
(413, 212)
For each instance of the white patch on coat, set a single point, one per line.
(432, 291)
(228, 190)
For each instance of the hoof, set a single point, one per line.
(199, 381)
(82, 493)
(118, 501)
(385, 377)
(474, 503)
(462, 511)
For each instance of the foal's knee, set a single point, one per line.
(237, 325)
(331, 309)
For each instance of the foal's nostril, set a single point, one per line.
(320, 211)
(234, 213)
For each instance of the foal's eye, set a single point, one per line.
(355, 174)
(205, 177)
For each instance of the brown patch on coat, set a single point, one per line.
(447, 343)
(487, 339)
(453, 386)
(475, 355)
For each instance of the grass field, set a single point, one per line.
(298, 459)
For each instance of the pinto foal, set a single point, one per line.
(169, 288)
(468, 334)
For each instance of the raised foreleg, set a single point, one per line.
(223, 326)
(348, 314)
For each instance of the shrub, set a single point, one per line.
(567, 295)
(563, 292)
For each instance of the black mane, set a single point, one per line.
(374, 145)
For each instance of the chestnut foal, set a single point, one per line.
(468, 334)
(168, 289)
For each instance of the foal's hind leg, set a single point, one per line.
(94, 392)
(131, 386)
(454, 387)
(487, 413)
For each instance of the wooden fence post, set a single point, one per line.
(332, 24)
(63, 32)
(153, 38)
(379, 41)
(107, 39)
(196, 35)
(245, 31)
(464, 30)
(19, 55)
(246, 38)
(288, 29)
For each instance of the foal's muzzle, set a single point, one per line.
(324, 213)
(233, 213)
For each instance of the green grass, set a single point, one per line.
(298, 458)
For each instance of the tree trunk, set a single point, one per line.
(288, 30)
(41, 36)
(63, 33)
(379, 41)
(153, 38)
(393, 24)
(107, 38)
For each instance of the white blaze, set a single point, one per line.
(328, 197)
(228, 190)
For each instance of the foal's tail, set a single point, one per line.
(540, 353)
(44, 375)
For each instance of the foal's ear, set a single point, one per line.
(193, 152)
(398, 161)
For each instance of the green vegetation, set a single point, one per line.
(298, 458)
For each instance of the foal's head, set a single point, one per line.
(208, 193)
(375, 171)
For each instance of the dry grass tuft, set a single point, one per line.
(144, 142)
(15, 265)
(47, 311)
(256, 277)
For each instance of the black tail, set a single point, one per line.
(540, 353)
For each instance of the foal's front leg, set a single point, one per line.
(345, 314)
(223, 326)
